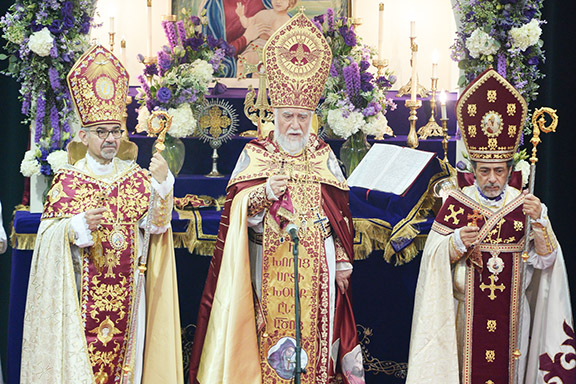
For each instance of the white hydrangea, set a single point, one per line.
(480, 43)
(183, 121)
(57, 159)
(41, 42)
(526, 35)
(203, 71)
(376, 125)
(345, 127)
(30, 166)
(524, 167)
(143, 114)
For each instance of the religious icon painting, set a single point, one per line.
(281, 357)
(239, 18)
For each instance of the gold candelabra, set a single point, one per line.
(412, 139)
(431, 128)
(380, 65)
(111, 40)
(407, 88)
(445, 139)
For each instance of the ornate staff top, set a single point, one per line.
(165, 121)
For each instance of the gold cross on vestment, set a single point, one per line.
(492, 287)
(454, 214)
(474, 217)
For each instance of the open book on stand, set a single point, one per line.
(390, 168)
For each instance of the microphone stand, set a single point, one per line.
(298, 368)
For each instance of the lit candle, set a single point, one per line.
(435, 57)
(381, 33)
(412, 28)
(111, 24)
(443, 104)
(149, 24)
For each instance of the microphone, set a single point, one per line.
(292, 230)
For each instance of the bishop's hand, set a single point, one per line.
(278, 183)
(158, 167)
(468, 235)
(532, 206)
(93, 217)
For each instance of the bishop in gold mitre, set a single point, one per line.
(246, 326)
(78, 324)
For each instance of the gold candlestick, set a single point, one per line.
(431, 128)
(380, 64)
(111, 40)
(445, 139)
(356, 22)
(407, 88)
(412, 139)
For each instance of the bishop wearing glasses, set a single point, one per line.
(82, 280)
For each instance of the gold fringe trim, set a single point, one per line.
(194, 239)
(376, 234)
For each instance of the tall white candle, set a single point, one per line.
(435, 57)
(149, 25)
(381, 32)
(111, 24)
(412, 28)
(443, 104)
(355, 9)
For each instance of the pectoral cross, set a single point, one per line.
(492, 287)
(474, 217)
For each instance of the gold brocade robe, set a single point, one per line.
(260, 334)
(95, 316)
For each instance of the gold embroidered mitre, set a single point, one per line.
(491, 114)
(98, 84)
(297, 59)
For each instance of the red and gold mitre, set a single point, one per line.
(98, 84)
(297, 59)
(491, 114)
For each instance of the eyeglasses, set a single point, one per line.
(103, 133)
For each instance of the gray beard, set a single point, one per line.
(291, 146)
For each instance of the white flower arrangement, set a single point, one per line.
(480, 43)
(57, 159)
(143, 114)
(526, 35)
(183, 121)
(524, 167)
(343, 123)
(30, 166)
(41, 42)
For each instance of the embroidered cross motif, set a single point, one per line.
(490, 355)
(320, 221)
(518, 225)
(454, 214)
(491, 96)
(511, 109)
(492, 287)
(472, 109)
(491, 325)
(473, 218)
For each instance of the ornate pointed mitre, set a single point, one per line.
(297, 59)
(491, 114)
(98, 84)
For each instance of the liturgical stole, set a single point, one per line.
(493, 285)
(107, 283)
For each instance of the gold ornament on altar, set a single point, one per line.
(297, 59)
(217, 124)
(98, 84)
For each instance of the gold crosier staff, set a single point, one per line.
(539, 125)
(160, 130)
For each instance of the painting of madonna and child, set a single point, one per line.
(247, 24)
